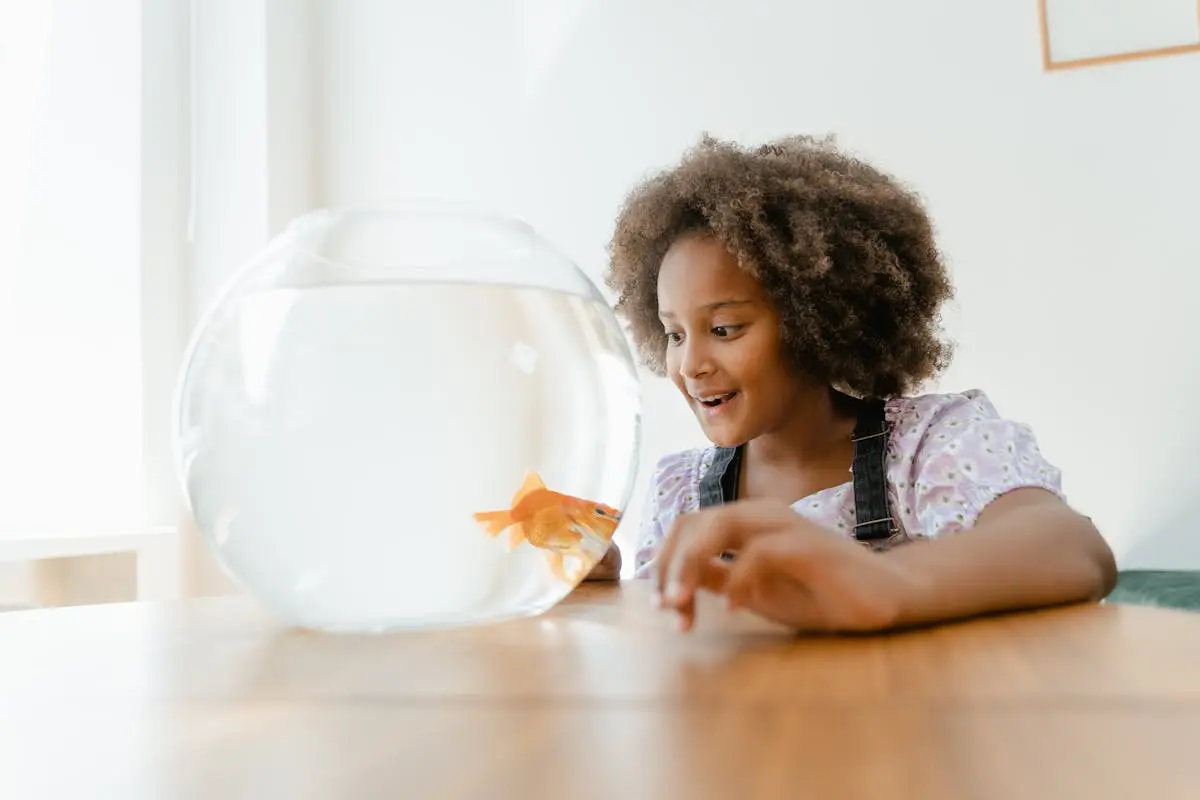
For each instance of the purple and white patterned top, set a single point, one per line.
(949, 455)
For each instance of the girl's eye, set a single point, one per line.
(673, 338)
(722, 331)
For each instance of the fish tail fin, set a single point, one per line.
(494, 522)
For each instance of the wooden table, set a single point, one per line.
(600, 698)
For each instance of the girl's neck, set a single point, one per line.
(818, 431)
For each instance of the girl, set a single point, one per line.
(792, 295)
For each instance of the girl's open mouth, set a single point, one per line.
(713, 402)
(716, 404)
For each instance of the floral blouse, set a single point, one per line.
(949, 455)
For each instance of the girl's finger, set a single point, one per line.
(700, 541)
(767, 571)
(748, 573)
(666, 551)
(696, 541)
(685, 526)
(682, 530)
(712, 576)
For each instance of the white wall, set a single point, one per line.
(1065, 201)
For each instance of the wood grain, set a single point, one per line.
(599, 698)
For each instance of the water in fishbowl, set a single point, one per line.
(354, 451)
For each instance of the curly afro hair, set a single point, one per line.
(845, 253)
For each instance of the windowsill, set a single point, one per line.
(24, 544)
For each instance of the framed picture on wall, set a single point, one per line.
(1086, 33)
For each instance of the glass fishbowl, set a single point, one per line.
(408, 417)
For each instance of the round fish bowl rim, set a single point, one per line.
(465, 210)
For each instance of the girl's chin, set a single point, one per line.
(723, 425)
(723, 435)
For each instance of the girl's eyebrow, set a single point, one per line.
(710, 307)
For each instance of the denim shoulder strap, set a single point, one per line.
(873, 516)
(719, 484)
(872, 508)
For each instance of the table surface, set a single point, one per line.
(601, 697)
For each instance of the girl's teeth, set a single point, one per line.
(717, 400)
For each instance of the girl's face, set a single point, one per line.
(723, 343)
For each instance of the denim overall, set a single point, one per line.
(874, 523)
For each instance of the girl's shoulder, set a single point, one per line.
(675, 480)
(951, 454)
(972, 405)
(948, 420)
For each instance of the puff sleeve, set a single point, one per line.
(672, 491)
(966, 456)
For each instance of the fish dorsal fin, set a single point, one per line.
(532, 483)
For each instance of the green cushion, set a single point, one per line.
(1161, 587)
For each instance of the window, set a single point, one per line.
(71, 265)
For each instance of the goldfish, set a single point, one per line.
(558, 523)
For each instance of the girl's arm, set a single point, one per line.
(993, 530)
(990, 532)
(609, 567)
(1027, 549)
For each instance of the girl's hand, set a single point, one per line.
(607, 568)
(787, 569)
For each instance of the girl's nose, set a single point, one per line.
(695, 362)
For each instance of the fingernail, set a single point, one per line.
(674, 591)
(681, 623)
(656, 600)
